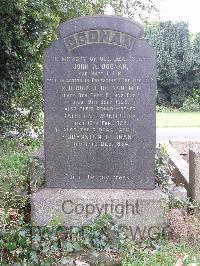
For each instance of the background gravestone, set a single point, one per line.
(99, 92)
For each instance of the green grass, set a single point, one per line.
(14, 167)
(166, 254)
(178, 119)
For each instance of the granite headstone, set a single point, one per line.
(100, 97)
(99, 93)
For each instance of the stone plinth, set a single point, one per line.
(141, 212)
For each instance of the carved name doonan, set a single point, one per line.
(99, 36)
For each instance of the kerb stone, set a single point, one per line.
(194, 170)
(180, 168)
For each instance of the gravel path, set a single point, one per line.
(164, 134)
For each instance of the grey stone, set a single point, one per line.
(101, 22)
(141, 212)
(100, 98)
(86, 258)
(194, 166)
(179, 192)
(37, 170)
(103, 258)
(39, 153)
(179, 167)
(68, 262)
(81, 263)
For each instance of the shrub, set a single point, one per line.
(166, 109)
(192, 103)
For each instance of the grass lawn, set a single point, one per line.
(178, 119)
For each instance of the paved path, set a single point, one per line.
(164, 134)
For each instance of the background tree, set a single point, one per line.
(195, 70)
(139, 10)
(174, 59)
(27, 27)
(177, 61)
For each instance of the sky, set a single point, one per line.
(177, 10)
(186, 10)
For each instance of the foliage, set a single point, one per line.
(192, 102)
(139, 10)
(27, 28)
(165, 109)
(177, 60)
(14, 171)
(163, 252)
(21, 35)
(164, 181)
(162, 169)
(22, 243)
(57, 242)
(15, 232)
(15, 239)
(54, 245)
(186, 204)
(196, 60)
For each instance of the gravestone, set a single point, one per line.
(100, 115)
(99, 90)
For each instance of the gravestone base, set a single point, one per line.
(141, 212)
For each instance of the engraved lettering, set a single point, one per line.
(81, 38)
(121, 39)
(70, 42)
(93, 36)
